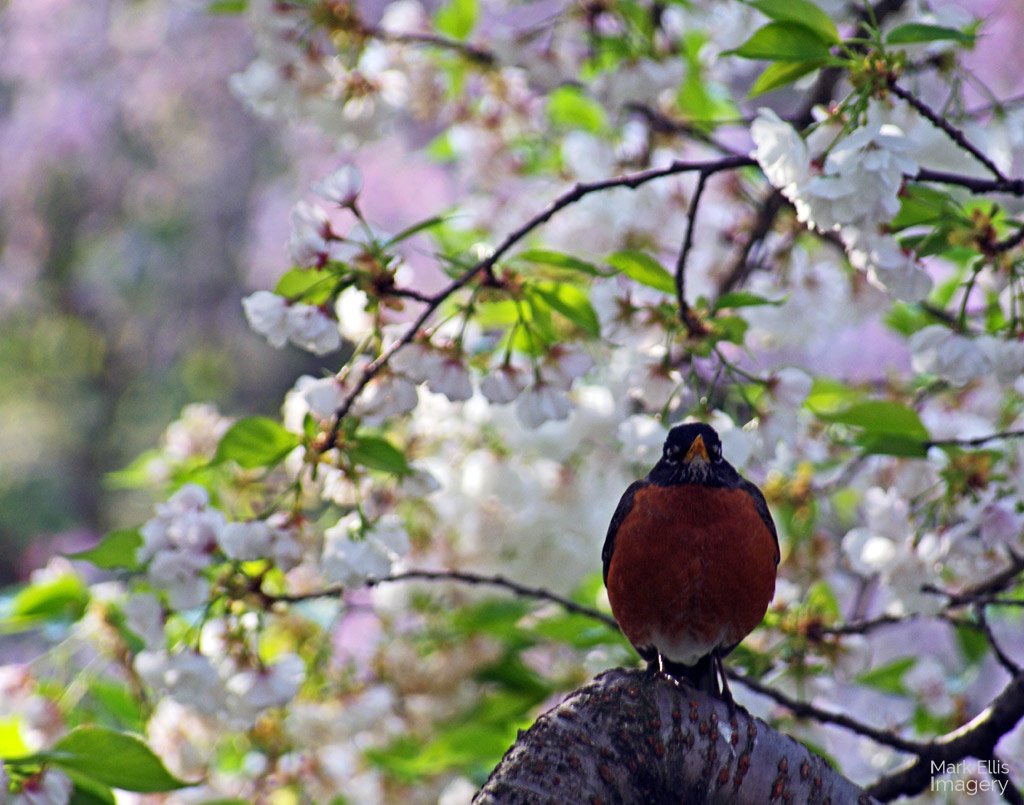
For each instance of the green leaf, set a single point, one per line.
(881, 417)
(569, 108)
(377, 453)
(828, 395)
(309, 285)
(571, 302)
(255, 441)
(457, 18)
(781, 73)
(116, 550)
(578, 631)
(973, 644)
(136, 475)
(644, 269)
(907, 318)
(888, 678)
(64, 597)
(115, 759)
(227, 7)
(546, 257)
(916, 32)
(736, 299)
(822, 601)
(889, 444)
(783, 41)
(87, 791)
(415, 229)
(730, 328)
(921, 204)
(500, 313)
(800, 12)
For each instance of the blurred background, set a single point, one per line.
(134, 192)
(139, 201)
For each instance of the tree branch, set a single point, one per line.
(685, 314)
(948, 128)
(633, 736)
(975, 739)
(464, 577)
(1014, 187)
(805, 710)
(474, 53)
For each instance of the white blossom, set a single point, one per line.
(780, 151)
(387, 396)
(451, 378)
(563, 365)
(312, 330)
(354, 321)
(341, 187)
(503, 384)
(47, 787)
(253, 690)
(267, 314)
(955, 358)
(540, 403)
(307, 243)
(187, 677)
(350, 560)
(177, 544)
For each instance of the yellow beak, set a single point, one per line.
(696, 449)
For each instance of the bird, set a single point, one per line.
(690, 560)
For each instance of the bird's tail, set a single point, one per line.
(702, 674)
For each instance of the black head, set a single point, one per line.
(693, 454)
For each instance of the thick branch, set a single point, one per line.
(631, 736)
(977, 739)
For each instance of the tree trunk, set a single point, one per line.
(632, 737)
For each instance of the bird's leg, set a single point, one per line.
(656, 666)
(719, 664)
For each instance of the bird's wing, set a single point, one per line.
(621, 511)
(762, 509)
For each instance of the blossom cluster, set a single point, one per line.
(854, 193)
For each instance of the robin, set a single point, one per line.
(690, 559)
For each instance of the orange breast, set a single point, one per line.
(693, 566)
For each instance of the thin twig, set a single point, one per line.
(805, 710)
(463, 577)
(1012, 186)
(1009, 242)
(741, 266)
(472, 52)
(1009, 665)
(948, 128)
(685, 314)
(977, 441)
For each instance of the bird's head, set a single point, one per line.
(692, 453)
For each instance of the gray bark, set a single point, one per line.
(632, 737)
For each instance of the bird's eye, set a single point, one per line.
(716, 452)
